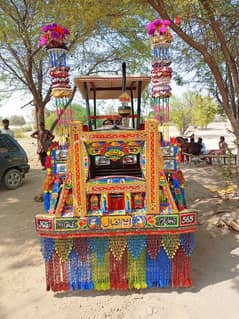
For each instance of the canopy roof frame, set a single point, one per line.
(110, 87)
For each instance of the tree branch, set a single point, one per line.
(20, 78)
(215, 27)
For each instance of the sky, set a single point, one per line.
(12, 106)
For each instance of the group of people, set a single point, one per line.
(194, 148)
(199, 148)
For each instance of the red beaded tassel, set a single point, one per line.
(57, 278)
(64, 276)
(153, 246)
(118, 272)
(56, 272)
(181, 270)
(49, 274)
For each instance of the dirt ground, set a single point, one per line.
(215, 261)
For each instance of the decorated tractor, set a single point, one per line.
(115, 213)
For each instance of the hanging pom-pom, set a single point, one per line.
(177, 20)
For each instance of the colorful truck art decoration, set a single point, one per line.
(115, 214)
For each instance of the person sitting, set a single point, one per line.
(203, 146)
(185, 145)
(223, 147)
(194, 148)
(185, 148)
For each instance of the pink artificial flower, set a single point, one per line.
(157, 22)
(43, 41)
(150, 28)
(66, 31)
(49, 27)
(55, 35)
(166, 22)
(52, 26)
(163, 29)
(44, 28)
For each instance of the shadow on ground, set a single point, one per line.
(17, 207)
(215, 258)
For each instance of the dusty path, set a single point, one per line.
(215, 291)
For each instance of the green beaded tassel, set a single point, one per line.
(137, 271)
(101, 277)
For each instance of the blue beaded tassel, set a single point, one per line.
(164, 264)
(152, 271)
(74, 271)
(47, 248)
(82, 247)
(136, 244)
(46, 201)
(187, 243)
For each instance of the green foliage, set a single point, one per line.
(192, 109)
(19, 133)
(228, 170)
(50, 119)
(17, 120)
(27, 128)
(204, 111)
(181, 112)
(79, 114)
(182, 118)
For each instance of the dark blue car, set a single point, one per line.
(13, 162)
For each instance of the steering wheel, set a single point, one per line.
(118, 122)
(108, 122)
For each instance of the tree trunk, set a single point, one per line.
(237, 162)
(40, 116)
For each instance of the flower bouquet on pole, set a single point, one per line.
(54, 39)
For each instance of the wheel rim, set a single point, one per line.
(14, 179)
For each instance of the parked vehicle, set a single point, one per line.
(13, 162)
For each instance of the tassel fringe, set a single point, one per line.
(121, 263)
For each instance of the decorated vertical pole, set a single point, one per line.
(161, 74)
(54, 39)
